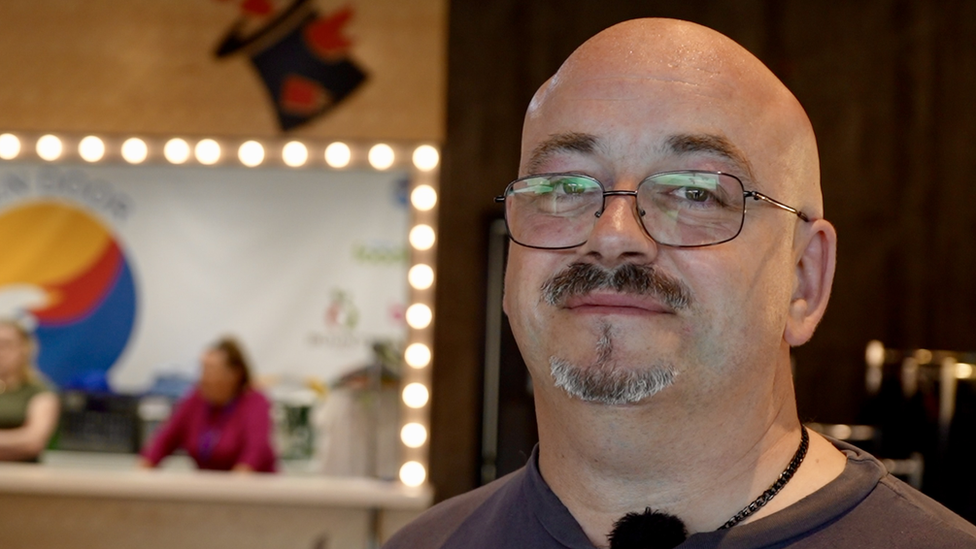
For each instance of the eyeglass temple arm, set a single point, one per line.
(756, 195)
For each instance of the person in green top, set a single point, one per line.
(28, 409)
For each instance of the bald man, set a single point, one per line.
(669, 247)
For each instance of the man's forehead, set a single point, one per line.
(638, 84)
(671, 102)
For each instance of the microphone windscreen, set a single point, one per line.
(647, 530)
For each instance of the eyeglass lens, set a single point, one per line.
(685, 208)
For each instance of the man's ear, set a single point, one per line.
(815, 250)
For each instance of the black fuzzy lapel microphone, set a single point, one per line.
(647, 530)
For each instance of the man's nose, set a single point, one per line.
(618, 235)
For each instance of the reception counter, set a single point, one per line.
(104, 502)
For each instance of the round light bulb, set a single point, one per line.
(49, 148)
(422, 237)
(91, 149)
(413, 435)
(874, 354)
(840, 431)
(176, 151)
(9, 146)
(338, 155)
(207, 152)
(424, 197)
(417, 355)
(413, 474)
(415, 395)
(294, 154)
(964, 371)
(420, 276)
(425, 158)
(134, 150)
(251, 154)
(923, 356)
(419, 316)
(381, 156)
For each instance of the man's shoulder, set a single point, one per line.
(918, 516)
(893, 514)
(436, 525)
(864, 507)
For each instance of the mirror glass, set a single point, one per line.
(128, 272)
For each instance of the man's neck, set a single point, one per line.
(701, 464)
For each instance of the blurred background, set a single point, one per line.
(888, 86)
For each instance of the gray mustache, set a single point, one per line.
(582, 278)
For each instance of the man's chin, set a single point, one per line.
(608, 384)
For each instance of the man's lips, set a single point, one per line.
(616, 303)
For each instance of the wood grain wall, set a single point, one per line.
(147, 66)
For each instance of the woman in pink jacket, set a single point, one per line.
(224, 424)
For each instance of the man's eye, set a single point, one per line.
(694, 194)
(571, 187)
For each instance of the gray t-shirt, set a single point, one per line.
(863, 507)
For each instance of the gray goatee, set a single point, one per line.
(603, 382)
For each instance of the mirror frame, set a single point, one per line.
(420, 159)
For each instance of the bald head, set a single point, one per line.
(695, 89)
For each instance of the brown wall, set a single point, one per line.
(148, 66)
(888, 86)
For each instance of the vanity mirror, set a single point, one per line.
(129, 254)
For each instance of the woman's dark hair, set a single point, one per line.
(236, 360)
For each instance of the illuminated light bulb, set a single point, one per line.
(964, 371)
(425, 158)
(294, 154)
(134, 150)
(413, 474)
(424, 197)
(338, 155)
(417, 355)
(415, 395)
(419, 316)
(91, 149)
(842, 432)
(9, 146)
(49, 147)
(251, 154)
(420, 276)
(422, 237)
(874, 354)
(176, 151)
(381, 156)
(923, 356)
(413, 435)
(207, 152)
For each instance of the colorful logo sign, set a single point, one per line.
(64, 271)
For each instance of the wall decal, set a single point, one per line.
(302, 57)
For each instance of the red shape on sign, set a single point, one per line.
(302, 96)
(324, 35)
(256, 7)
(75, 298)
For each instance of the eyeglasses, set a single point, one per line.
(684, 209)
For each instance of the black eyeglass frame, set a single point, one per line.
(755, 195)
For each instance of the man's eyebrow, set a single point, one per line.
(716, 145)
(558, 143)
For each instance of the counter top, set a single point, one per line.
(184, 484)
